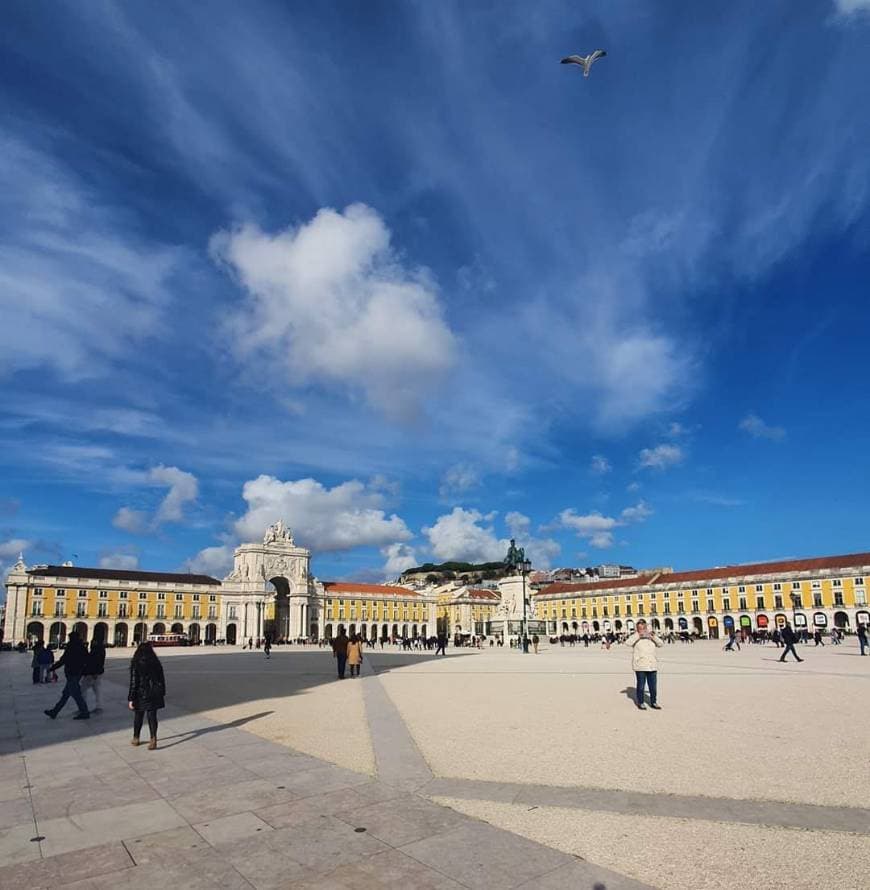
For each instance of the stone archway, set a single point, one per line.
(278, 628)
(121, 634)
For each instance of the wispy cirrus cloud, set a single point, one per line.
(661, 457)
(72, 269)
(600, 465)
(760, 429)
(850, 8)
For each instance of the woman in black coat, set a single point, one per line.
(147, 691)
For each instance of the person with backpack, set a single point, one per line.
(147, 692)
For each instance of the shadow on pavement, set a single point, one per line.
(204, 681)
(218, 727)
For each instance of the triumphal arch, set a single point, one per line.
(270, 590)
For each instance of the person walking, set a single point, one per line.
(645, 665)
(73, 662)
(862, 638)
(788, 639)
(354, 655)
(339, 651)
(95, 667)
(147, 693)
(817, 637)
(35, 665)
(267, 647)
(442, 644)
(535, 640)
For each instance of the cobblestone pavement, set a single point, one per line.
(218, 806)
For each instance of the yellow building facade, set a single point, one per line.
(119, 607)
(813, 593)
(376, 611)
(466, 611)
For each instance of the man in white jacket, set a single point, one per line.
(643, 661)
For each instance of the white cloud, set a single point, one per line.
(759, 429)
(661, 457)
(183, 489)
(852, 7)
(400, 557)
(11, 548)
(333, 303)
(640, 512)
(596, 528)
(126, 561)
(348, 515)
(518, 524)
(457, 481)
(675, 430)
(600, 465)
(632, 487)
(541, 551)
(461, 536)
(586, 525)
(134, 521)
(215, 561)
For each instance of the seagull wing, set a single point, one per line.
(598, 54)
(573, 60)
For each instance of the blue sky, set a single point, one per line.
(391, 272)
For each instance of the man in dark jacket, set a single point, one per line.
(339, 650)
(789, 639)
(95, 667)
(73, 663)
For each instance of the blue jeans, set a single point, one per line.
(862, 641)
(342, 661)
(646, 678)
(72, 690)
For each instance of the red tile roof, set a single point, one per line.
(573, 586)
(337, 587)
(780, 567)
(482, 593)
(665, 579)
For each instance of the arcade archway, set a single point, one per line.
(278, 628)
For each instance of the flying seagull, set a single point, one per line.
(585, 62)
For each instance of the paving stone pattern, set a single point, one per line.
(216, 806)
